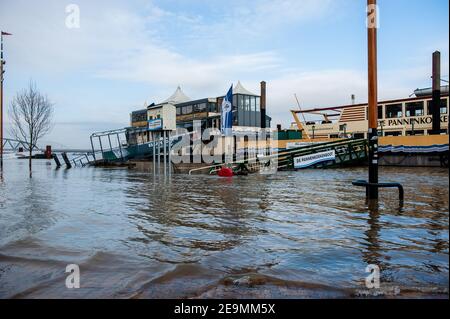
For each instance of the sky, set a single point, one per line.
(125, 54)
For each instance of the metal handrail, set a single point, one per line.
(284, 155)
(367, 185)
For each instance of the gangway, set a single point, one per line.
(115, 150)
(346, 152)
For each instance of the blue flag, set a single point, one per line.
(227, 113)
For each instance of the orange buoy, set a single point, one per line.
(225, 172)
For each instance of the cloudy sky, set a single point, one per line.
(126, 53)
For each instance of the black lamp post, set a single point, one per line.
(313, 129)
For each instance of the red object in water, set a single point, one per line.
(48, 152)
(225, 172)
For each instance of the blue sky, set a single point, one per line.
(126, 53)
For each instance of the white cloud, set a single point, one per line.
(159, 66)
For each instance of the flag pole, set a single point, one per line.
(1, 101)
(2, 63)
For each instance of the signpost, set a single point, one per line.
(312, 159)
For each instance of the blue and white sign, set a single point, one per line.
(309, 160)
(227, 114)
(155, 125)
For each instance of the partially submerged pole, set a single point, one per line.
(1, 107)
(154, 152)
(170, 151)
(2, 63)
(372, 185)
(372, 21)
(164, 152)
(436, 102)
(263, 104)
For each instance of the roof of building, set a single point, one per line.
(177, 97)
(240, 89)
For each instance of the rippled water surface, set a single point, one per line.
(290, 235)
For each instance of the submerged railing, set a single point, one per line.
(347, 151)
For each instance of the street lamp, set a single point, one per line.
(313, 129)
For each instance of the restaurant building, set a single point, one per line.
(248, 112)
(399, 117)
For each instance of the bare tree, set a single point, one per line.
(31, 116)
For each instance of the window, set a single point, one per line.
(394, 111)
(140, 116)
(184, 110)
(414, 109)
(240, 101)
(443, 106)
(178, 110)
(258, 104)
(201, 107)
(252, 104)
(212, 107)
(380, 111)
(419, 132)
(189, 109)
(247, 103)
(393, 133)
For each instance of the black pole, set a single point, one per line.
(93, 151)
(263, 104)
(373, 162)
(436, 102)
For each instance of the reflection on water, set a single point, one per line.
(290, 235)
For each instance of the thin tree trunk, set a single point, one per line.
(29, 160)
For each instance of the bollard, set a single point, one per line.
(48, 152)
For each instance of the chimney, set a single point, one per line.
(263, 104)
(436, 102)
(353, 99)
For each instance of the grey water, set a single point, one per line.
(303, 234)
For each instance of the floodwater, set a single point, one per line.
(305, 234)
